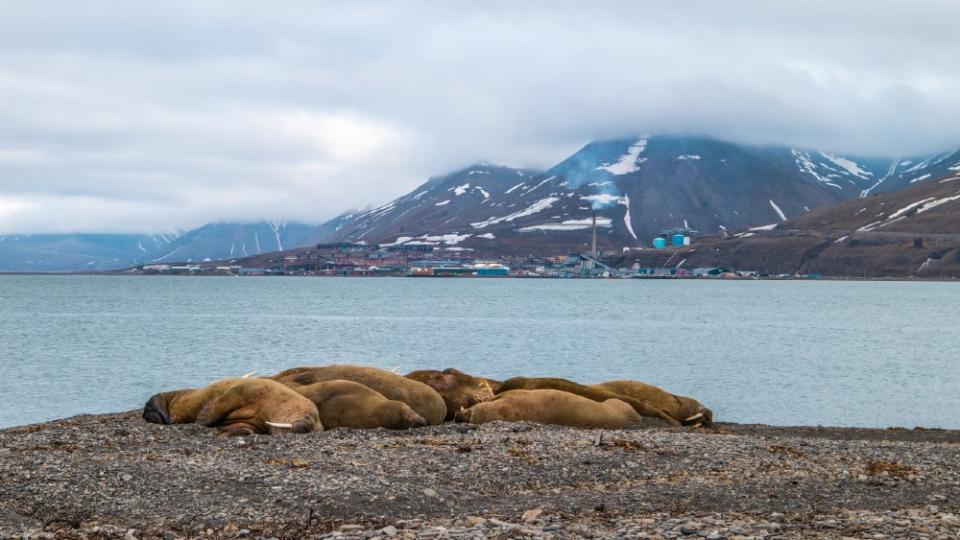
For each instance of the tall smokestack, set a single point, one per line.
(594, 250)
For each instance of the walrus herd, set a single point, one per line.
(314, 398)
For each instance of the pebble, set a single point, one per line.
(741, 481)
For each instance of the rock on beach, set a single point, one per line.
(114, 476)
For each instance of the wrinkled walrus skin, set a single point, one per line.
(236, 407)
(262, 406)
(459, 390)
(348, 404)
(553, 407)
(685, 410)
(420, 397)
(642, 407)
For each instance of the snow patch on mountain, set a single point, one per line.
(847, 165)
(538, 206)
(568, 225)
(778, 210)
(509, 191)
(625, 201)
(628, 162)
(545, 180)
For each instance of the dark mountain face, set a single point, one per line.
(638, 187)
(223, 241)
(901, 173)
(443, 204)
(99, 252)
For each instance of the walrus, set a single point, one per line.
(420, 397)
(237, 407)
(685, 410)
(642, 407)
(182, 406)
(458, 390)
(353, 405)
(553, 407)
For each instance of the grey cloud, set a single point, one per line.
(149, 116)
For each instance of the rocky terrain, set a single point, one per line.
(114, 476)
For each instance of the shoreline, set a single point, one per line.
(114, 475)
(946, 279)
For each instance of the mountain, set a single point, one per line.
(638, 186)
(442, 203)
(222, 241)
(904, 172)
(914, 232)
(100, 252)
(77, 252)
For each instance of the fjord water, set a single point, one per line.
(871, 354)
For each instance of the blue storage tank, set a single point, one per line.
(677, 240)
(660, 243)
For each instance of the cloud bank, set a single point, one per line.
(142, 117)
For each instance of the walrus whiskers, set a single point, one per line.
(278, 425)
(694, 417)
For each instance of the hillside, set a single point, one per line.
(639, 187)
(910, 233)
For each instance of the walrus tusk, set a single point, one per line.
(277, 425)
(694, 417)
(395, 369)
(487, 386)
(248, 375)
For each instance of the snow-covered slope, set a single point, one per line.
(446, 203)
(639, 187)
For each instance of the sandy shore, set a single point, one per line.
(116, 476)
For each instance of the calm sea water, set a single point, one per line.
(777, 352)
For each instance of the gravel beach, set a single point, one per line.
(115, 476)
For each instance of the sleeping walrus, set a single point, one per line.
(237, 407)
(459, 390)
(353, 405)
(685, 410)
(642, 407)
(553, 407)
(420, 397)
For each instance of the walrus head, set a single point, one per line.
(700, 416)
(157, 409)
(458, 389)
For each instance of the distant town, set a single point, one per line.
(426, 260)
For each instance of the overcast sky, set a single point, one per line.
(148, 116)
